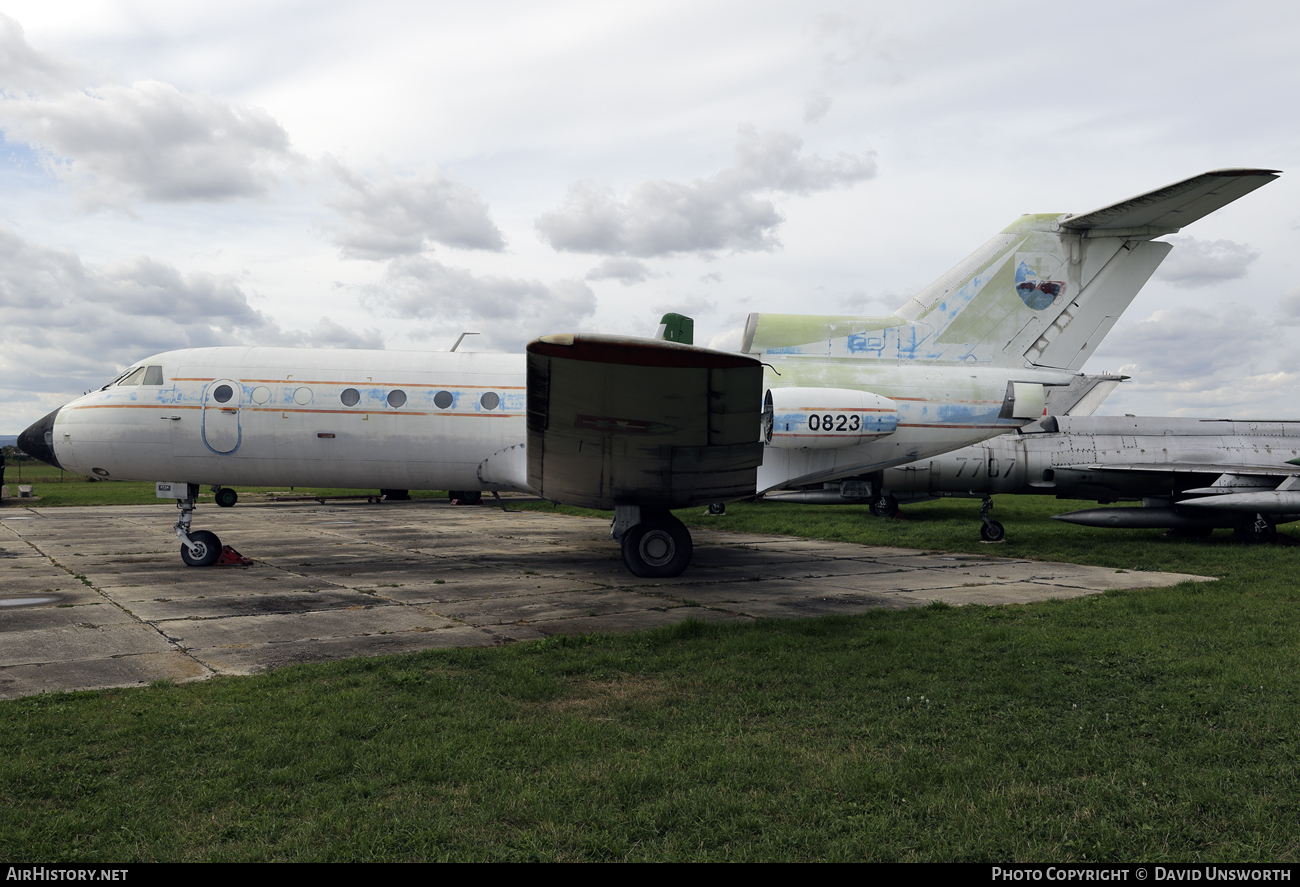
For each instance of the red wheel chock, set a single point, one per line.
(229, 557)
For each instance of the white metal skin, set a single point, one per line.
(825, 418)
(286, 422)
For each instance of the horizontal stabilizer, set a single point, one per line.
(615, 420)
(1173, 206)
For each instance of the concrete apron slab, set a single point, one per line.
(98, 597)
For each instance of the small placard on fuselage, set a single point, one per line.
(167, 490)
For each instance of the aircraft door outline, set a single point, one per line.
(222, 406)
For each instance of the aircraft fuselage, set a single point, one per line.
(260, 416)
(299, 417)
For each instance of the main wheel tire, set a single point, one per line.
(717, 508)
(657, 548)
(1256, 530)
(471, 497)
(208, 549)
(992, 531)
(396, 495)
(885, 506)
(227, 497)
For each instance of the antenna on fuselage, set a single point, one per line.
(462, 339)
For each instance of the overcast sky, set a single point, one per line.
(387, 174)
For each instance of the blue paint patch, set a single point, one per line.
(866, 344)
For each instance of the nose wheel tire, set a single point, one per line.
(206, 550)
(227, 497)
(657, 548)
(992, 531)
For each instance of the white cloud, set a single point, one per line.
(404, 215)
(24, 69)
(691, 306)
(1195, 361)
(70, 326)
(722, 212)
(1194, 263)
(728, 340)
(507, 311)
(328, 334)
(1187, 344)
(1289, 306)
(878, 305)
(625, 270)
(815, 107)
(119, 144)
(149, 141)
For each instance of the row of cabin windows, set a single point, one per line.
(443, 399)
(351, 397)
(153, 375)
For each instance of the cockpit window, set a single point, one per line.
(133, 377)
(139, 376)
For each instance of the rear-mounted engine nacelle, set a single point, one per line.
(825, 418)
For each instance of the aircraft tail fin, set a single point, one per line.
(1043, 292)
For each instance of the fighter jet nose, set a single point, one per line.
(38, 440)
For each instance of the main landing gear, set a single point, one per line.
(225, 496)
(991, 531)
(1255, 529)
(885, 505)
(656, 545)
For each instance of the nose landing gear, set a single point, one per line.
(200, 548)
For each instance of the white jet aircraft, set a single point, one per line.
(641, 426)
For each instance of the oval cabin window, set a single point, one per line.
(396, 399)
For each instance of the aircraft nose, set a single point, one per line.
(38, 440)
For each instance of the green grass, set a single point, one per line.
(1158, 725)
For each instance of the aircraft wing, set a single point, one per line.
(1241, 489)
(1196, 468)
(1165, 210)
(615, 420)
